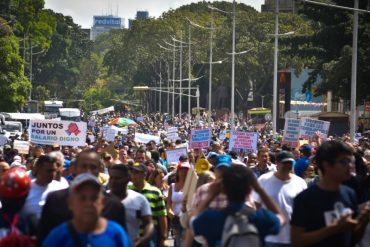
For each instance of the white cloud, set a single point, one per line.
(82, 11)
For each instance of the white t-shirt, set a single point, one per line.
(283, 194)
(136, 206)
(37, 196)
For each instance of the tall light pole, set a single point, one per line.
(189, 73)
(354, 73)
(180, 99)
(275, 101)
(160, 86)
(210, 76)
(173, 78)
(210, 65)
(233, 72)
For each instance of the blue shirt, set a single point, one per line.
(209, 224)
(300, 166)
(113, 236)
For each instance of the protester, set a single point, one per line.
(263, 165)
(326, 214)
(237, 182)
(56, 211)
(45, 171)
(154, 196)
(136, 206)
(282, 186)
(87, 226)
(14, 189)
(175, 201)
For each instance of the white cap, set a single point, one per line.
(82, 179)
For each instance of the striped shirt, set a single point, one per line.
(155, 199)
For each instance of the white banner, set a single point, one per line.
(23, 147)
(172, 134)
(64, 133)
(243, 141)
(309, 127)
(174, 155)
(145, 138)
(103, 111)
(291, 132)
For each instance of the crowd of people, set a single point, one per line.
(124, 193)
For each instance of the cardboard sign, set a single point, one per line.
(111, 150)
(190, 187)
(291, 132)
(172, 134)
(103, 111)
(200, 138)
(241, 141)
(174, 155)
(309, 127)
(64, 133)
(23, 147)
(145, 138)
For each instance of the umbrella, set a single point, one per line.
(123, 122)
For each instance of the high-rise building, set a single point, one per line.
(140, 15)
(103, 24)
(284, 6)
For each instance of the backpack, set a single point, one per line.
(238, 231)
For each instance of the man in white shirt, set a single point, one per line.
(283, 186)
(138, 213)
(41, 186)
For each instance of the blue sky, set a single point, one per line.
(82, 11)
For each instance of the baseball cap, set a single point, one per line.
(223, 160)
(84, 178)
(7, 146)
(139, 167)
(285, 156)
(182, 165)
(305, 147)
(212, 155)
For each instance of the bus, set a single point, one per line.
(259, 116)
(70, 114)
(51, 108)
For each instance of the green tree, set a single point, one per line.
(14, 86)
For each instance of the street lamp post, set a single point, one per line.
(233, 71)
(354, 73)
(189, 73)
(180, 99)
(275, 101)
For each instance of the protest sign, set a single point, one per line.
(92, 138)
(110, 134)
(23, 147)
(111, 150)
(291, 132)
(222, 135)
(309, 127)
(64, 133)
(200, 138)
(174, 155)
(241, 141)
(102, 111)
(172, 134)
(145, 138)
(190, 187)
(140, 119)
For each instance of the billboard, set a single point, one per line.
(107, 21)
